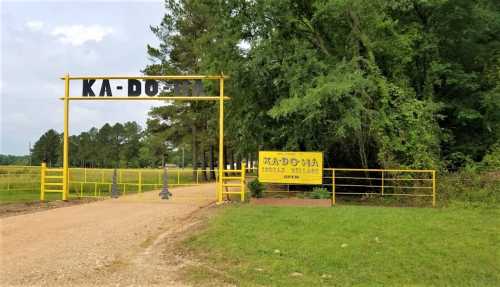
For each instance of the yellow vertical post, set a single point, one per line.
(383, 183)
(243, 171)
(221, 138)
(42, 181)
(178, 176)
(66, 139)
(81, 189)
(84, 174)
(333, 187)
(102, 175)
(433, 188)
(140, 181)
(197, 172)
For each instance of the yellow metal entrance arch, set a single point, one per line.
(67, 98)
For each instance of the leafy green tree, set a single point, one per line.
(131, 145)
(185, 124)
(47, 149)
(372, 83)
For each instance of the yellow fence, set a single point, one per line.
(383, 182)
(23, 183)
(86, 182)
(51, 181)
(96, 182)
(370, 182)
(232, 179)
(19, 178)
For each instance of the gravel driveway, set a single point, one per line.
(112, 242)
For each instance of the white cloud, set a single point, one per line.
(77, 35)
(34, 25)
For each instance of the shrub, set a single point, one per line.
(256, 188)
(469, 188)
(319, 193)
(491, 161)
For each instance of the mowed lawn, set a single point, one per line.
(348, 245)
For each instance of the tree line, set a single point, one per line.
(371, 83)
(7, 159)
(120, 145)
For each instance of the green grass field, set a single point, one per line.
(22, 184)
(348, 245)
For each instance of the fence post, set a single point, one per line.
(42, 181)
(333, 187)
(178, 176)
(382, 183)
(243, 164)
(433, 188)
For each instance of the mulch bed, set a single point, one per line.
(291, 202)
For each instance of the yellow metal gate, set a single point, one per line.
(231, 179)
(52, 180)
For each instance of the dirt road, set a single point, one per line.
(112, 242)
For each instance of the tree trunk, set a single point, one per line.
(238, 162)
(249, 161)
(204, 159)
(195, 153)
(232, 159)
(225, 159)
(212, 163)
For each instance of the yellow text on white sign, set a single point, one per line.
(291, 167)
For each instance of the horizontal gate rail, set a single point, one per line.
(379, 182)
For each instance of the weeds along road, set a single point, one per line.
(110, 242)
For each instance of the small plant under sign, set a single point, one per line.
(319, 193)
(256, 188)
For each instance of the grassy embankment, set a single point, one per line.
(349, 245)
(456, 244)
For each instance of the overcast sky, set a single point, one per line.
(41, 41)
